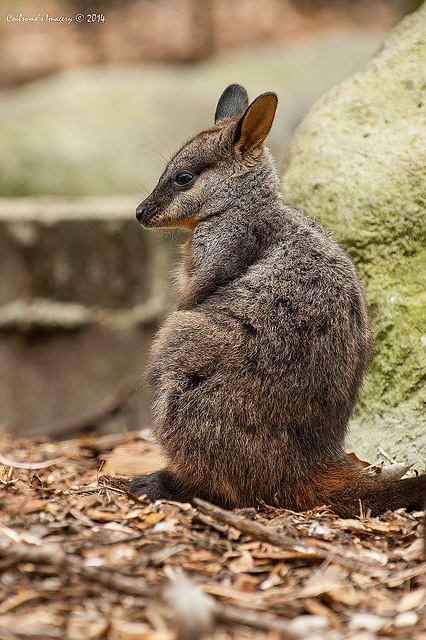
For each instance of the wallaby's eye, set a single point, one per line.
(183, 178)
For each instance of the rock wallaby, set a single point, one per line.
(256, 374)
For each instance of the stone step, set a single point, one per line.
(82, 292)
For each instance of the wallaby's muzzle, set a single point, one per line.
(147, 213)
(141, 211)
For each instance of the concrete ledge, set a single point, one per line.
(44, 316)
(82, 292)
(85, 250)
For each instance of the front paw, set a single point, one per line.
(160, 485)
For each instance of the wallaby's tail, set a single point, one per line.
(348, 489)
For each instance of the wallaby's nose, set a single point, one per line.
(140, 211)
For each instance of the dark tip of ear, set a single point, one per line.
(232, 103)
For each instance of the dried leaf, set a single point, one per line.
(406, 619)
(367, 621)
(25, 505)
(412, 600)
(357, 459)
(382, 527)
(317, 608)
(153, 518)
(414, 552)
(242, 564)
(322, 580)
(134, 458)
(16, 600)
(99, 515)
(123, 630)
(246, 584)
(347, 596)
(393, 472)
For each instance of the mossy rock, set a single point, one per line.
(357, 164)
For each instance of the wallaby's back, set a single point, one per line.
(257, 373)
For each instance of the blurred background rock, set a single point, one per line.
(89, 114)
(93, 108)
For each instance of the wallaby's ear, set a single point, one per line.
(233, 102)
(256, 123)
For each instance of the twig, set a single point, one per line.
(101, 488)
(258, 531)
(252, 528)
(386, 455)
(53, 555)
(120, 484)
(255, 619)
(30, 465)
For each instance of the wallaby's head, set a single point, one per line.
(218, 167)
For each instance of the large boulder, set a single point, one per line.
(357, 164)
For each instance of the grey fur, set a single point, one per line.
(256, 374)
(232, 103)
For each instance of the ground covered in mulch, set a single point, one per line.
(80, 558)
